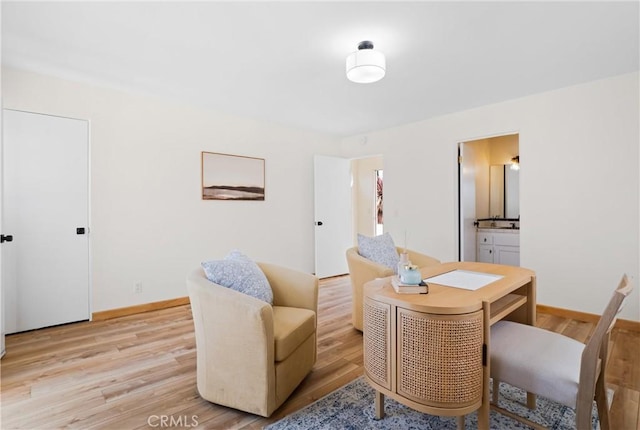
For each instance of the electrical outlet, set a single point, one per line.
(137, 287)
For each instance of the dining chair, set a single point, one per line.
(555, 366)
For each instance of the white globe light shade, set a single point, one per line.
(365, 66)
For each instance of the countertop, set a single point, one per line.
(498, 230)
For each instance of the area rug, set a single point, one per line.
(352, 408)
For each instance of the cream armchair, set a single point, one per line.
(363, 270)
(251, 355)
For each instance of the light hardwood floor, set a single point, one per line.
(128, 372)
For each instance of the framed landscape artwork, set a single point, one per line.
(232, 177)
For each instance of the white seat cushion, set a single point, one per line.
(536, 360)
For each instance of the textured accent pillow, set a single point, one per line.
(380, 249)
(240, 273)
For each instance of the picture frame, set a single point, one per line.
(232, 177)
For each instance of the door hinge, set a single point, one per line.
(459, 159)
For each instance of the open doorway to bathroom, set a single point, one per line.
(489, 200)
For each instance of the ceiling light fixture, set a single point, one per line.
(366, 65)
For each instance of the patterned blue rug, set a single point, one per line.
(352, 408)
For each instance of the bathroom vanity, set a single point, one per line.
(499, 245)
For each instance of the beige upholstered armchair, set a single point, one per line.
(251, 355)
(362, 270)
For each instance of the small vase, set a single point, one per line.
(411, 275)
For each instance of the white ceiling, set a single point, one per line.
(285, 61)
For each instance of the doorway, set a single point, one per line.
(368, 208)
(332, 211)
(45, 268)
(488, 192)
(379, 221)
(346, 193)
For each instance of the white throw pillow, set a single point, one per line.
(240, 273)
(380, 249)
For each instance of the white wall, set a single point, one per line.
(579, 185)
(148, 222)
(580, 193)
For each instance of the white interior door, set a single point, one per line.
(333, 230)
(2, 329)
(467, 201)
(46, 266)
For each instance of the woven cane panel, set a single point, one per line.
(376, 332)
(440, 358)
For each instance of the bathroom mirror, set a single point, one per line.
(504, 191)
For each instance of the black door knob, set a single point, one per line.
(7, 238)
(80, 230)
(319, 223)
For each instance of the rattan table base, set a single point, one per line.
(429, 352)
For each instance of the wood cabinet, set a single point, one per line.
(430, 362)
(498, 246)
(426, 350)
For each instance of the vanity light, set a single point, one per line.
(515, 163)
(366, 65)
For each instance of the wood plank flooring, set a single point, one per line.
(138, 371)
